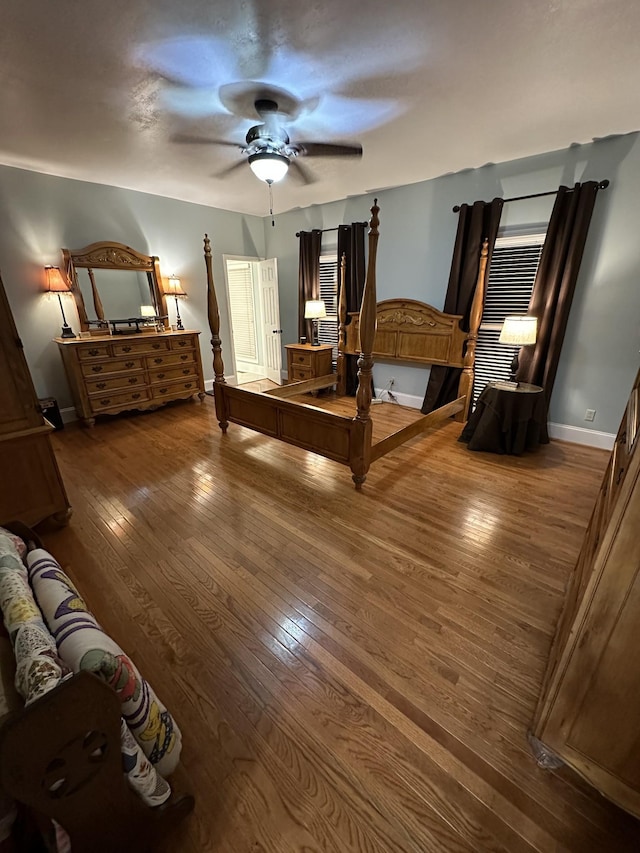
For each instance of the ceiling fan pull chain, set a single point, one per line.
(273, 222)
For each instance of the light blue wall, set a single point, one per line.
(417, 231)
(39, 214)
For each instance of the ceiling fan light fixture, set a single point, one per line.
(268, 166)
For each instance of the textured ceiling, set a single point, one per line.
(102, 91)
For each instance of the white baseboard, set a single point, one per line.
(409, 400)
(208, 383)
(580, 435)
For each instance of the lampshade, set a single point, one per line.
(519, 331)
(56, 282)
(173, 287)
(314, 309)
(268, 166)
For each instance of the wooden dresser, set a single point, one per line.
(588, 714)
(305, 361)
(32, 488)
(118, 373)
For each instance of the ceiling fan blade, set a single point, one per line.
(187, 139)
(300, 173)
(241, 164)
(324, 149)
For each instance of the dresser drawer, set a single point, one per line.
(170, 374)
(173, 358)
(113, 366)
(109, 401)
(298, 357)
(182, 343)
(139, 347)
(174, 389)
(299, 373)
(99, 386)
(95, 351)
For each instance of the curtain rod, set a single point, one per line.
(602, 185)
(324, 230)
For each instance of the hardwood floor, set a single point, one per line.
(351, 671)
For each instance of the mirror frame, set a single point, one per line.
(111, 256)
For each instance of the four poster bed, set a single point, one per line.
(407, 331)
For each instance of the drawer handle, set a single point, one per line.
(97, 368)
(101, 385)
(185, 372)
(163, 390)
(161, 375)
(155, 346)
(129, 363)
(184, 357)
(158, 360)
(188, 384)
(126, 349)
(136, 396)
(133, 380)
(94, 352)
(300, 358)
(619, 477)
(182, 343)
(105, 401)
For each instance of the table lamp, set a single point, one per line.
(518, 332)
(57, 283)
(314, 309)
(173, 287)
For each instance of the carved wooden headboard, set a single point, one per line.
(408, 330)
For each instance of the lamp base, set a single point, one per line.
(67, 332)
(514, 366)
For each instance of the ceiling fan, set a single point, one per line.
(270, 152)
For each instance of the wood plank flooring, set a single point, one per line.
(351, 671)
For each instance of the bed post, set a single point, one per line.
(214, 325)
(341, 385)
(465, 386)
(361, 450)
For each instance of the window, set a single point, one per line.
(328, 328)
(243, 312)
(511, 276)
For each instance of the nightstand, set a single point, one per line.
(305, 361)
(507, 420)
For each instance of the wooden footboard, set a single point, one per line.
(329, 434)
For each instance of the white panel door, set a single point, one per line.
(272, 333)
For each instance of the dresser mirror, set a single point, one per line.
(111, 282)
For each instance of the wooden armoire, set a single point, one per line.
(588, 713)
(32, 488)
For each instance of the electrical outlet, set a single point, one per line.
(590, 415)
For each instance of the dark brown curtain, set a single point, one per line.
(556, 281)
(308, 277)
(476, 223)
(351, 244)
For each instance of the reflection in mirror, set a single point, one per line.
(120, 293)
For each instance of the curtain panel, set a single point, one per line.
(555, 282)
(476, 223)
(351, 243)
(308, 277)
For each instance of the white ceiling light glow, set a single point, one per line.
(268, 166)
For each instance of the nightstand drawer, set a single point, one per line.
(300, 373)
(298, 358)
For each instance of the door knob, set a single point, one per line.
(277, 331)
